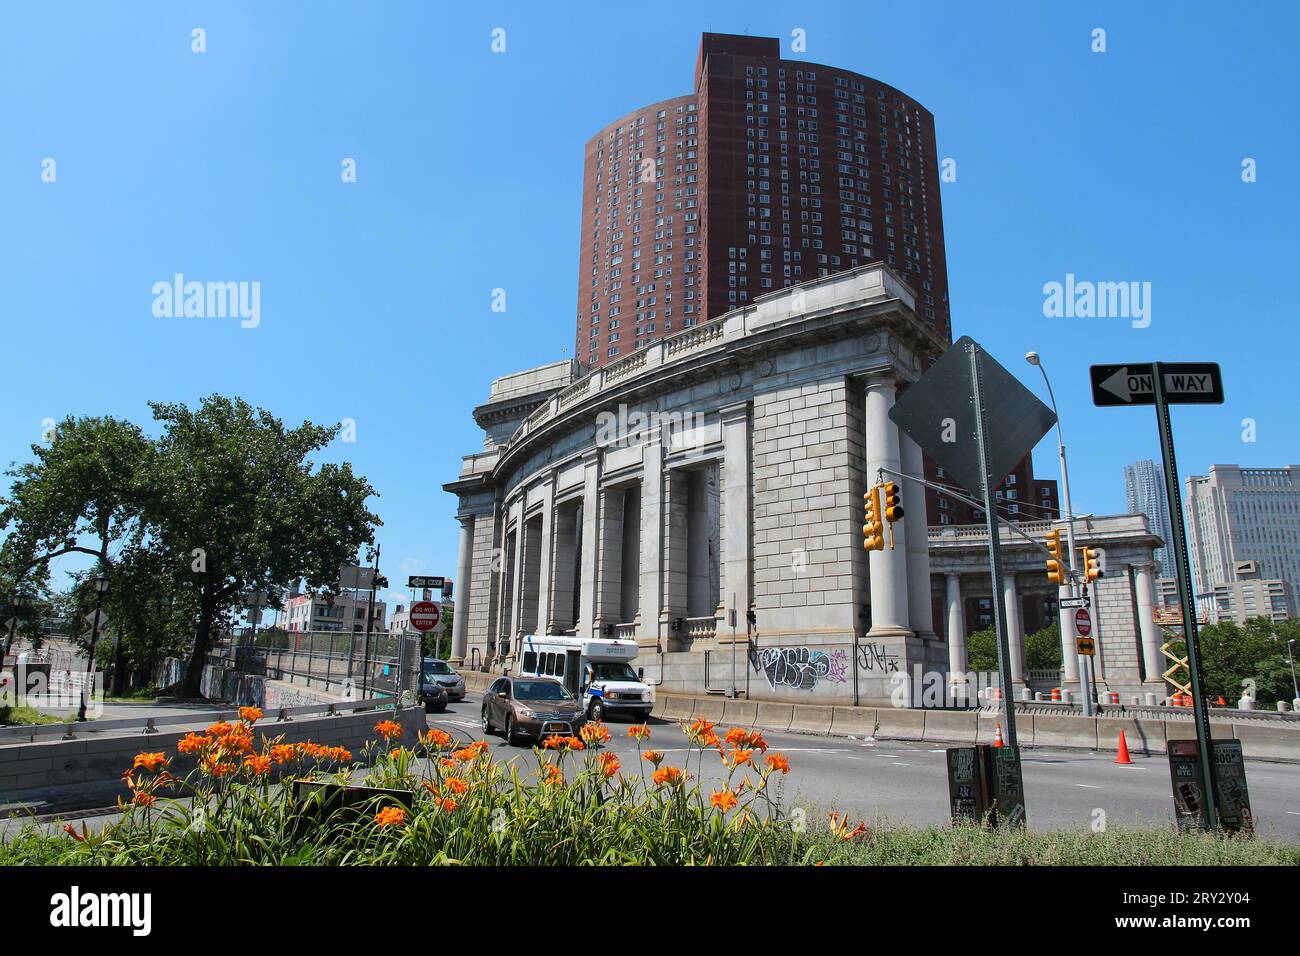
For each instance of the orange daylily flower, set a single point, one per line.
(143, 799)
(737, 757)
(554, 775)
(390, 816)
(283, 753)
(190, 743)
(389, 729)
(250, 714)
(68, 829)
(609, 764)
(654, 756)
(777, 761)
(596, 733)
(259, 766)
(639, 731)
(724, 800)
(435, 738)
(220, 729)
(150, 762)
(669, 775)
(455, 784)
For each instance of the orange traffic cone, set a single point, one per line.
(1122, 756)
(997, 738)
(1222, 702)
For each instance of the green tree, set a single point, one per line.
(1043, 649)
(982, 650)
(1233, 654)
(233, 506)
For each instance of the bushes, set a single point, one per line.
(451, 802)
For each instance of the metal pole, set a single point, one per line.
(733, 645)
(1179, 532)
(370, 613)
(90, 664)
(995, 550)
(1291, 656)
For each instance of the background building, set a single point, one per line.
(1144, 488)
(1251, 596)
(771, 173)
(1239, 514)
(342, 611)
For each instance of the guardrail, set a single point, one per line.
(30, 733)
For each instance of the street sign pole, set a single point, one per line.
(1179, 531)
(995, 547)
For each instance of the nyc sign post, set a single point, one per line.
(1163, 384)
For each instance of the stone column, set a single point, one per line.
(517, 571)
(1015, 627)
(1153, 661)
(651, 599)
(889, 612)
(609, 559)
(957, 663)
(588, 583)
(920, 607)
(677, 486)
(460, 622)
(564, 559)
(547, 548)
(737, 515)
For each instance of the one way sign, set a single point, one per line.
(1186, 383)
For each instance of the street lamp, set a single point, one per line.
(101, 587)
(1066, 627)
(17, 603)
(1290, 653)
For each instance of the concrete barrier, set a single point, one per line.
(1268, 741)
(1063, 731)
(775, 717)
(854, 721)
(951, 726)
(740, 713)
(900, 724)
(812, 718)
(676, 707)
(986, 729)
(709, 708)
(1142, 736)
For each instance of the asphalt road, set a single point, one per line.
(904, 781)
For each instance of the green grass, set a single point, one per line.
(11, 716)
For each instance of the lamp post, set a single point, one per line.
(101, 586)
(1066, 618)
(17, 603)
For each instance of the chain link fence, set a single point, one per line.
(341, 661)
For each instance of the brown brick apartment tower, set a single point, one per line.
(772, 172)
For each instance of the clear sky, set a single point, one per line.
(376, 295)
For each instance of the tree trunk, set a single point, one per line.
(199, 655)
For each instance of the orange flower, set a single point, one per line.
(479, 747)
(777, 761)
(710, 740)
(467, 753)
(596, 733)
(220, 729)
(553, 742)
(840, 828)
(456, 785)
(250, 714)
(67, 828)
(740, 738)
(143, 799)
(554, 775)
(737, 757)
(258, 766)
(700, 728)
(390, 817)
(191, 743)
(150, 762)
(609, 764)
(283, 753)
(724, 800)
(639, 731)
(669, 775)
(448, 804)
(654, 756)
(389, 729)
(447, 763)
(436, 738)
(396, 752)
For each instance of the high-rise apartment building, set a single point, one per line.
(1144, 489)
(771, 172)
(1237, 514)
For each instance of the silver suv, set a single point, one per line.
(443, 674)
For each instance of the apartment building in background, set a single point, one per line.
(1250, 595)
(1239, 515)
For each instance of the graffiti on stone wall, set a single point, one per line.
(800, 668)
(872, 657)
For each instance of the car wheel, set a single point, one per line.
(596, 711)
(511, 737)
(441, 708)
(487, 724)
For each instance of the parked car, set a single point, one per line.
(530, 707)
(440, 672)
(432, 694)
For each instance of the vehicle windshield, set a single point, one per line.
(540, 690)
(618, 670)
(437, 667)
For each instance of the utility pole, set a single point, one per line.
(370, 616)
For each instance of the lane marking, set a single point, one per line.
(899, 763)
(1088, 786)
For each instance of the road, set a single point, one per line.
(905, 781)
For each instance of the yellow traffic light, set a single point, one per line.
(1091, 564)
(893, 502)
(873, 538)
(1055, 565)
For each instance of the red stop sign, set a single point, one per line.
(424, 615)
(1082, 622)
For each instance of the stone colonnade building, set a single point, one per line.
(721, 468)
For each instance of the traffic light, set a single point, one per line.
(893, 502)
(1055, 565)
(873, 538)
(1091, 564)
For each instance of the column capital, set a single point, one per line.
(735, 412)
(878, 378)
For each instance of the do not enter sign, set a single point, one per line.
(424, 616)
(1082, 622)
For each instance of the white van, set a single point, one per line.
(597, 671)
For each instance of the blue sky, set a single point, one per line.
(376, 295)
